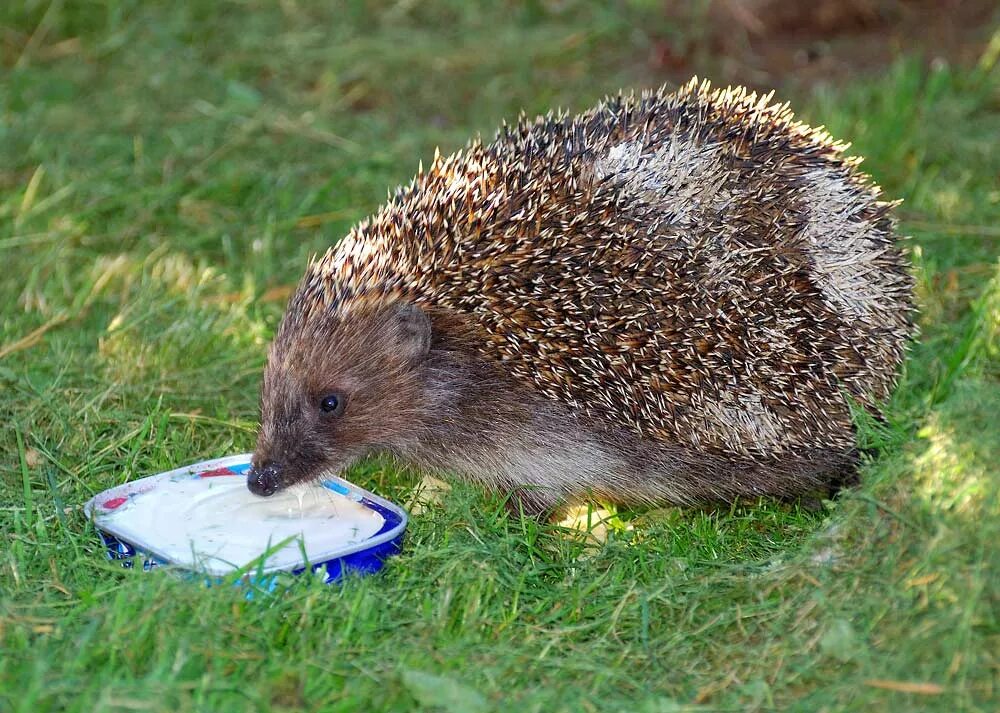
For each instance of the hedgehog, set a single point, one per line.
(673, 298)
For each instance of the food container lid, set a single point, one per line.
(202, 517)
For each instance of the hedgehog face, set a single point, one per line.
(336, 388)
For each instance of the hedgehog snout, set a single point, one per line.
(265, 480)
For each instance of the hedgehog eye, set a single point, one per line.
(332, 404)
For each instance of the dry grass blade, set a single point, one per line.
(32, 338)
(918, 687)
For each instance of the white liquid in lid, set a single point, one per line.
(216, 524)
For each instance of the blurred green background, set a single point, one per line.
(166, 168)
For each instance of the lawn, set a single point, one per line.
(166, 169)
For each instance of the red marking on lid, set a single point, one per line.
(216, 473)
(114, 502)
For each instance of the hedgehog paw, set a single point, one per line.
(532, 502)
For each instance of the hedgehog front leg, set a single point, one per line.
(536, 502)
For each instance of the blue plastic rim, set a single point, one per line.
(367, 561)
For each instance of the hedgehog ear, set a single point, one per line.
(414, 329)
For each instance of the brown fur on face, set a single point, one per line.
(372, 361)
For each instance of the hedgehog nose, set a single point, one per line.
(264, 481)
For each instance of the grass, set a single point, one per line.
(166, 169)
